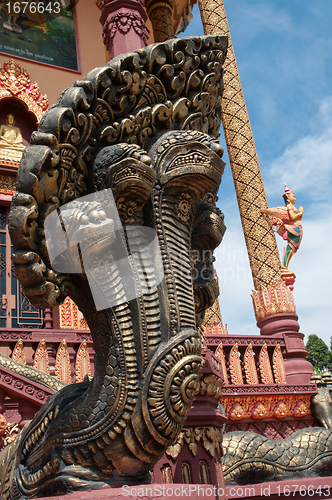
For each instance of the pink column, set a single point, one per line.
(298, 370)
(124, 26)
(195, 458)
(51, 358)
(48, 319)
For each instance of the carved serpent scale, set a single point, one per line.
(144, 126)
(250, 458)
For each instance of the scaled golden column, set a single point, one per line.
(160, 15)
(259, 236)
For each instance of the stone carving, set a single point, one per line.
(31, 373)
(82, 365)
(235, 365)
(62, 364)
(212, 321)
(278, 366)
(7, 184)
(208, 230)
(250, 366)
(265, 366)
(321, 403)
(41, 358)
(140, 126)
(210, 436)
(248, 455)
(12, 431)
(211, 439)
(272, 300)
(260, 240)
(160, 15)
(260, 406)
(18, 353)
(124, 27)
(68, 315)
(71, 317)
(123, 22)
(273, 429)
(220, 354)
(3, 425)
(231, 390)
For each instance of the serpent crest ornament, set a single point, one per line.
(144, 128)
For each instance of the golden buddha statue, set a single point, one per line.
(11, 140)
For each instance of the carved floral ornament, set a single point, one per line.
(122, 22)
(15, 83)
(272, 300)
(18, 352)
(211, 438)
(260, 407)
(70, 316)
(62, 364)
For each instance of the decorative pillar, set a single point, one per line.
(48, 319)
(260, 240)
(51, 353)
(160, 15)
(124, 26)
(196, 456)
(271, 296)
(56, 318)
(297, 369)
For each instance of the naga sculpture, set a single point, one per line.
(250, 458)
(145, 126)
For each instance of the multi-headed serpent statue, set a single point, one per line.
(144, 127)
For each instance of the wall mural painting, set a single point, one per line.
(42, 31)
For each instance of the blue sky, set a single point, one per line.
(284, 54)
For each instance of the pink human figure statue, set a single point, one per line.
(287, 220)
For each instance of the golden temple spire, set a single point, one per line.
(259, 236)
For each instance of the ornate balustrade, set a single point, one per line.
(249, 360)
(66, 354)
(256, 395)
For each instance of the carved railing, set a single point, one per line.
(256, 387)
(253, 364)
(68, 355)
(250, 360)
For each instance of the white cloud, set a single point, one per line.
(313, 285)
(306, 166)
